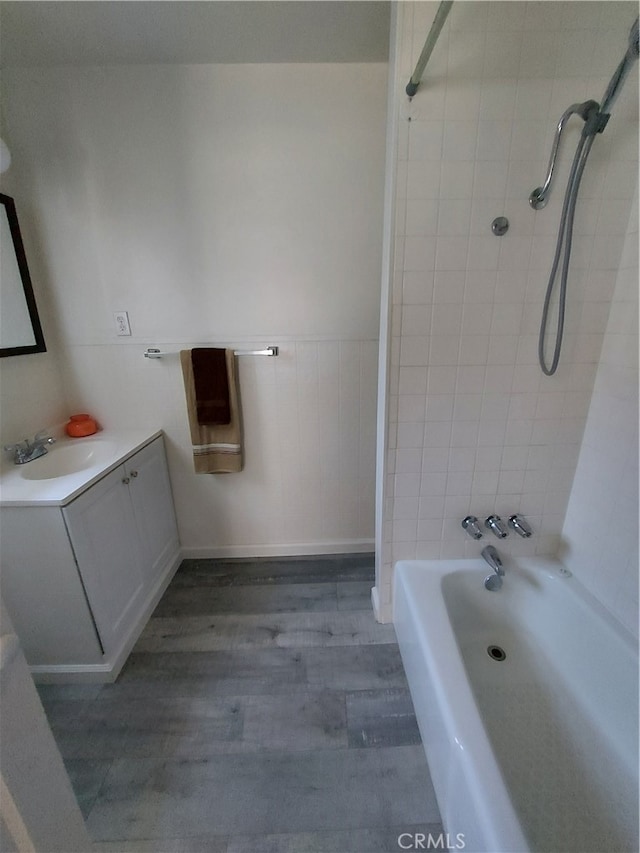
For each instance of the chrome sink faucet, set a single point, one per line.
(491, 556)
(27, 451)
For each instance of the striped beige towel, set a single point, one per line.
(216, 449)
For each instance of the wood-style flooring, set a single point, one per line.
(263, 710)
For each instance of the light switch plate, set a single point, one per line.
(122, 323)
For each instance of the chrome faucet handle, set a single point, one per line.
(13, 448)
(517, 523)
(471, 525)
(495, 524)
(44, 438)
(20, 450)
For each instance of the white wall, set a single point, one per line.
(32, 395)
(237, 205)
(474, 426)
(600, 534)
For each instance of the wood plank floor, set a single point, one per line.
(263, 710)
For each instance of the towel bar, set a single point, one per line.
(270, 351)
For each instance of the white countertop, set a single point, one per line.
(111, 447)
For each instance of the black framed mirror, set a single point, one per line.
(20, 329)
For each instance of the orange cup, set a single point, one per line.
(80, 426)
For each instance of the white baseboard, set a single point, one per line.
(381, 612)
(82, 673)
(298, 549)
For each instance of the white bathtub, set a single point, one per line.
(538, 751)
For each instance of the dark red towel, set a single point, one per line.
(211, 385)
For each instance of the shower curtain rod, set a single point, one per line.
(432, 38)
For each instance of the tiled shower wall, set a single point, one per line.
(473, 426)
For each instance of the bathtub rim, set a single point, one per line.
(487, 787)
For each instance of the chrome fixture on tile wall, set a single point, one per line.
(517, 523)
(491, 556)
(472, 526)
(495, 524)
(500, 226)
(595, 117)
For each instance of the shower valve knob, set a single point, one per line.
(495, 524)
(517, 523)
(471, 525)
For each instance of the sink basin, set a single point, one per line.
(70, 467)
(68, 459)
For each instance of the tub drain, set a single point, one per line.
(496, 653)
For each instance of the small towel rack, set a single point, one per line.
(270, 351)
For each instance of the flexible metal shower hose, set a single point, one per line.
(565, 233)
(563, 252)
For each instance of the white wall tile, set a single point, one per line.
(456, 179)
(496, 431)
(443, 350)
(446, 319)
(493, 139)
(462, 100)
(506, 17)
(441, 379)
(422, 182)
(453, 217)
(417, 287)
(502, 54)
(425, 140)
(460, 139)
(448, 286)
(464, 433)
(482, 253)
(411, 407)
(451, 253)
(419, 253)
(433, 484)
(474, 349)
(498, 98)
(539, 55)
(437, 433)
(421, 217)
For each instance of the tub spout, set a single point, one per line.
(491, 556)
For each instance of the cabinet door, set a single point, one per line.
(150, 491)
(104, 536)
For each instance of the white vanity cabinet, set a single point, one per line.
(82, 583)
